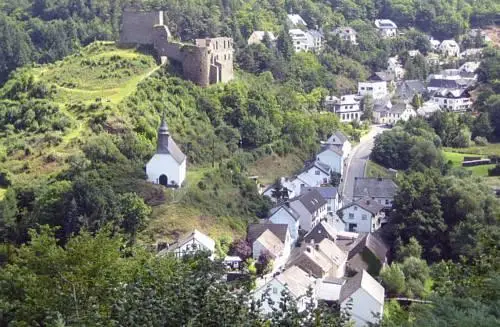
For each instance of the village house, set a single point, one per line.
(386, 76)
(316, 173)
(365, 297)
(295, 20)
(167, 167)
(469, 67)
(284, 214)
(394, 67)
(441, 82)
(317, 39)
(479, 33)
(311, 208)
(363, 216)
(347, 34)
(382, 190)
(347, 108)
(428, 109)
(433, 59)
(190, 244)
(449, 48)
(310, 40)
(434, 43)
(392, 114)
(273, 239)
(258, 36)
(475, 53)
(386, 28)
(320, 259)
(407, 89)
(290, 185)
(455, 100)
(333, 157)
(376, 88)
(340, 140)
(330, 194)
(296, 281)
(413, 53)
(366, 252)
(320, 232)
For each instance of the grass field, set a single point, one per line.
(100, 70)
(373, 169)
(457, 159)
(270, 167)
(486, 150)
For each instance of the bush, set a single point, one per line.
(495, 171)
(481, 141)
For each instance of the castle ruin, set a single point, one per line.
(206, 62)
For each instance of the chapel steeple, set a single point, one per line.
(163, 137)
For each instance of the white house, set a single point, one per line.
(332, 156)
(296, 20)
(258, 36)
(449, 48)
(311, 208)
(347, 107)
(274, 239)
(320, 259)
(377, 89)
(382, 190)
(395, 67)
(310, 40)
(366, 296)
(315, 174)
(396, 112)
(168, 165)
(434, 43)
(284, 214)
(296, 281)
(291, 184)
(469, 66)
(340, 140)
(191, 243)
(363, 216)
(453, 100)
(386, 28)
(347, 34)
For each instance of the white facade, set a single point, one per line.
(302, 40)
(364, 306)
(377, 89)
(190, 244)
(360, 220)
(345, 145)
(347, 107)
(346, 34)
(386, 28)
(453, 100)
(314, 176)
(449, 48)
(308, 220)
(282, 216)
(395, 68)
(333, 159)
(393, 116)
(165, 164)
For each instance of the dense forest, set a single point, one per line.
(74, 203)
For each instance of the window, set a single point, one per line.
(353, 227)
(355, 208)
(364, 217)
(351, 215)
(317, 172)
(387, 201)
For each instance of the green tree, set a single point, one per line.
(134, 213)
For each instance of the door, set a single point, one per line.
(163, 180)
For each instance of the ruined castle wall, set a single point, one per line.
(196, 64)
(163, 47)
(222, 52)
(137, 26)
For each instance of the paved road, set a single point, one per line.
(357, 162)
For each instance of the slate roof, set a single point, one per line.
(372, 243)
(320, 232)
(327, 192)
(407, 89)
(318, 259)
(443, 83)
(296, 280)
(369, 205)
(166, 145)
(312, 201)
(365, 281)
(287, 208)
(382, 76)
(296, 19)
(331, 147)
(455, 93)
(316, 164)
(374, 187)
(256, 230)
(385, 23)
(316, 34)
(400, 107)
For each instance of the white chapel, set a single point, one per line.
(168, 166)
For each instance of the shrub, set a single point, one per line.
(481, 141)
(495, 171)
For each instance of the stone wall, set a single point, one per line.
(206, 62)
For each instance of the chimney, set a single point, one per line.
(309, 249)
